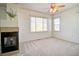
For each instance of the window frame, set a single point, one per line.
(35, 24)
(57, 24)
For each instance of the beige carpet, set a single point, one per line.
(49, 47)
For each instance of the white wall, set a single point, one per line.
(24, 25)
(69, 25)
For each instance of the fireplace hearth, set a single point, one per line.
(9, 41)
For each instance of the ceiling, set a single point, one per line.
(44, 7)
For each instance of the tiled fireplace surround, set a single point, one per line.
(9, 30)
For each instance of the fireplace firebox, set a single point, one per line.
(9, 41)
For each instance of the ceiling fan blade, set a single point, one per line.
(61, 6)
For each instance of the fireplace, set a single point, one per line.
(9, 41)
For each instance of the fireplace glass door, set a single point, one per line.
(9, 41)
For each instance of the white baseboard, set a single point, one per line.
(65, 40)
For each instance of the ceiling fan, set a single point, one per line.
(54, 7)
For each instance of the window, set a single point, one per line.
(38, 24)
(57, 24)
